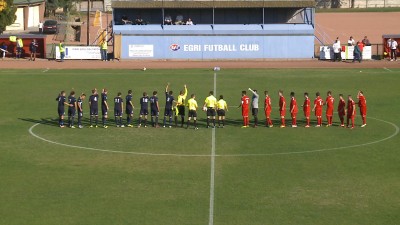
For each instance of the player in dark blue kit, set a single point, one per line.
(118, 106)
(104, 107)
(129, 109)
(144, 109)
(80, 109)
(94, 107)
(169, 101)
(71, 109)
(61, 110)
(155, 109)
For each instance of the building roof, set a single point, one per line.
(27, 2)
(212, 4)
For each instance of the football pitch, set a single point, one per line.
(171, 176)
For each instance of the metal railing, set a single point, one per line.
(377, 51)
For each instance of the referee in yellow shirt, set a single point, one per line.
(192, 105)
(180, 105)
(211, 104)
(222, 106)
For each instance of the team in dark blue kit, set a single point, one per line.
(104, 107)
(169, 102)
(80, 109)
(94, 107)
(155, 109)
(71, 109)
(144, 109)
(129, 108)
(118, 106)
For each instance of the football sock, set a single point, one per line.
(364, 120)
(59, 121)
(120, 120)
(116, 121)
(97, 120)
(244, 121)
(152, 121)
(165, 121)
(128, 119)
(156, 121)
(208, 121)
(188, 123)
(283, 121)
(145, 121)
(72, 120)
(140, 121)
(79, 120)
(182, 121)
(223, 122)
(104, 121)
(255, 120)
(213, 122)
(195, 122)
(170, 121)
(247, 121)
(294, 121)
(91, 119)
(308, 121)
(219, 122)
(176, 121)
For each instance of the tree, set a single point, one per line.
(7, 14)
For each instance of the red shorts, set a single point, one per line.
(282, 113)
(363, 111)
(329, 112)
(318, 112)
(267, 113)
(245, 112)
(307, 113)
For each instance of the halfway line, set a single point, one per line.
(212, 177)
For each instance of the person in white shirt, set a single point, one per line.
(189, 22)
(336, 51)
(338, 41)
(351, 41)
(40, 27)
(393, 50)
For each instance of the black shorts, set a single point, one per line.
(104, 111)
(154, 112)
(94, 111)
(71, 112)
(168, 112)
(254, 111)
(210, 111)
(181, 110)
(61, 111)
(221, 112)
(117, 112)
(192, 113)
(129, 110)
(144, 112)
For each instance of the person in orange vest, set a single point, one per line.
(20, 46)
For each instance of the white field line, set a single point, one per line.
(396, 132)
(387, 69)
(212, 176)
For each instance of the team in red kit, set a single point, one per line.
(343, 109)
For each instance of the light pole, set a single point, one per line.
(88, 24)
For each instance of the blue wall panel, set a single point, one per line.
(217, 47)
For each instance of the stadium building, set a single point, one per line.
(221, 29)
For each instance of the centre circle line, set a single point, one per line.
(397, 130)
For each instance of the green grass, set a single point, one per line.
(348, 10)
(258, 177)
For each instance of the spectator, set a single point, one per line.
(361, 46)
(3, 48)
(125, 20)
(393, 50)
(357, 53)
(351, 41)
(189, 22)
(336, 51)
(40, 27)
(20, 46)
(139, 20)
(179, 19)
(167, 20)
(366, 42)
(32, 48)
(337, 39)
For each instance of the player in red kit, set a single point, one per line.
(362, 103)
(293, 109)
(341, 109)
(318, 103)
(245, 109)
(306, 109)
(267, 110)
(282, 108)
(351, 111)
(329, 108)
